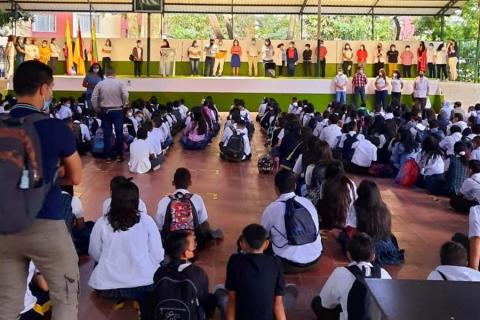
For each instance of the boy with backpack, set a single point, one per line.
(181, 287)
(183, 210)
(235, 144)
(453, 264)
(345, 291)
(292, 223)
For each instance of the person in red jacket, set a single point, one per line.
(292, 58)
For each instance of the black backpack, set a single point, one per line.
(347, 150)
(24, 188)
(299, 225)
(234, 150)
(358, 302)
(176, 297)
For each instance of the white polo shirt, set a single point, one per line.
(155, 142)
(330, 134)
(448, 142)
(341, 80)
(140, 151)
(126, 259)
(474, 222)
(421, 87)
(30, 300)
(106, 206)
(435, 165)
(454, 273)
(197, 202)
(64, 113)
(470, 188)
(273, 220)
(319, 128)
(364, 154)
(336, 289)
(475, 155)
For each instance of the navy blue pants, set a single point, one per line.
(112, 118)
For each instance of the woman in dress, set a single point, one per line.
(236, 52)
(362, 55)
(107, 54)
(421, 57)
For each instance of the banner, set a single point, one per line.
(78, 54)
(68, 51)
(93, 45)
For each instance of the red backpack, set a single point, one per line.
(181, 215)
(408, 174)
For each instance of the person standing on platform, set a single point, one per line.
(164, 61)
(236, 52)
(362, 55)
(107, 55)
(407, 61)
(421, 58)
(392, 58)
(341, 87)
(20, 49)
(281, 58)
(359, 82)
(379, 59)
(381, 89)
(253, 54)
(452, 52)
(54, 55)
(210, 54)
(267, 56)
(10, 54)
(420, 90)
(397, 87)
(347, 59)
(441, 62)
(322, 56)
(44, 52)
(431, 61)
(109, 98)
(29, 50)
(137, 58)
(93, 77)
(219, 59)
(194, 54)
(307, 61)
(292, 58)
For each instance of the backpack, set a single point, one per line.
(358, 303)
(347, 150)
(408, 174)
(299, 225)
(181, 214)
(24, 188)
(98, 145)
(176, 297)
(234, 150)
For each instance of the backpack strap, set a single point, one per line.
(444, 277)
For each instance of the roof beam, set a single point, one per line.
(447, 7)
(373, 7)
(303, 6)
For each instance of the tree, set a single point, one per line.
(7, 18)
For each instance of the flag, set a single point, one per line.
(69, 50)
(93, 46)
(78, 54)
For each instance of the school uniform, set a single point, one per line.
(228, 133)
(273, 221)
(400, 155)
(64, 112)
(140, 151)
(468, 195)
(431, 174)
(364, 154)
(475, 155)
(461, 124)
(155, 143)
(142, 208)
(454, 273)
(474, 222)
(449, 141)
(30, 300)
(319, 127)
(331, 134)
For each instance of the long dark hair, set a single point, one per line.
(422, 48)
(407, 140)
(100, 70)
(373, 216)
(123, 213)
(199, 119)
(460, 149)
(431, 149)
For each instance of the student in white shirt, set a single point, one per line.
(449, 141)
(475, 155)
(115, 183)
(453, 264)
(340, 82)
(421, 89)
(469, 193)
(332, 132)
(474, 237)
(293, 106)
(142, 154)
(432, 167)
(238, 127)
(64, 112)
(365, 152)
(127, 247)
(295, 258)
(153, 139)
(334, 294)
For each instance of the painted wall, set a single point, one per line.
(60, 26)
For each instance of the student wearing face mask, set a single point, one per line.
(407, 60)
(420, 90)
(392, 56)
(210, 54)
(431, 61)
(397, 87)
(29, 50)
(292, 58)
(347, 56)
(93, 77)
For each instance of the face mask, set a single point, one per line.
(96, 70)
(46, 104)
(408, 49)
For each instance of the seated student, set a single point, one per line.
(184, 211)
(195, 135)
(454, 264)
(308, 117)
(321, 124)
(449, 141)
(168, 280)
(254, 286)
(182, 108)
(315, 172)
(37, 300)
(235, 144)
(332, 133)
(297, 255)
(334, 296)
(435, 130)
(474, 237)
(364, 153)
(115, 183)
(290, 144)
(457, 120)
(64, 112)
(469, 193)
(142, 154)
(404, 148)
(262, 108)
(370, 214)
(432, 167)
(457, 171)
(154, 140)
(167, 134)
(293, 107)
(348, 138)
(475, 155)
(127, 247)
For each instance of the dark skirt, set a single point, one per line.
(235, 61)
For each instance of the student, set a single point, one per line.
(347, 58)
(365, 152)
(379, 59)
(127, 249)
(475, 155)
(293, 107)
(116, 183)
(392, 58)
(432, 167)
(407, 60)
(441, 62)
(431, 61)
(335, 292)
(397, 87)
(210, 54)
(469, 193)
(180, 248)
(142, 154)
(448, 142)
(195, 135)
(340, 87)
(315, 172)
(457, 171)
(404, 148)
(453, 264)
(292, 58)
(332, 132)
(219, 59)
(153, 140)
(295, 258)
(254, 286)
(307, 61)
(381, 89)
(65, 111)
(137, 58)
(421, 88)
(290, 143)
(281, 58)
(229, 148)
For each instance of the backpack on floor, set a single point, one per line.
(24, 188)
(181, 215)
(358, 302)
(299, 225)
(408, 174)
(98, 145)
(176, 297)
(234, 150)
(347, 150)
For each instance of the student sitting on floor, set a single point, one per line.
(37, 300)
(184, 211)
(475, 155)
(254, 286)
(82, 135)
(297, 255)
(334, 298)
(174, 281)
(332, 133)
(364, 154)
(315, 173)
(457, 171)
(195, 135)
(370, 214)
(142, 154)
(469, 193)
(449, 141)
(127, 247)
(454, 264)
(158, 134)
(432, 167)
(474, 237)
(235, 144)
(404, 148)
(154, 141)
(116, 183)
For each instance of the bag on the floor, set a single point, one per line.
(234, 150)
(380, 170)
(358, 302)
(347, 150)
(98, 144)
(24, 187)
(408, 174)
(265, 164)
(181, 215)
(176, 297)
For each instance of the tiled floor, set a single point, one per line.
(235, 195)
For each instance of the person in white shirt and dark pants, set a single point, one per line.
(420, 91)
(341, 87)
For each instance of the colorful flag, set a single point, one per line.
(78, 54)
(69, 50)
(93, 47)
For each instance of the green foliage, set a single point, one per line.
(188, 26)
(7, 17)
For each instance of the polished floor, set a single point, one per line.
(236, 195)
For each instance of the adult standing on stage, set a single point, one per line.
(109, 98)
(292, 58)
(236, 52)
(421, 58)
(164, 60)
(379, 59)
(381, 89)
(441, 61)
(194, 54)
(407, 61)
(322, 56)
(210, 54)
(219, 59)
(359, 82)
(10, 54)
(20, 49)
(307, 61)
(29, 50)
(45, 52)
(107, 54)
(347, 59)
(421, 88)
(340, 82)
(54, 54)
(137, 58)
(431, 60)
(397, 87)
(362, 55)
(267, 55)
(452, 52)
(93, 77)
(392, 59)
(253, 52)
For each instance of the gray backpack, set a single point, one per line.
(24, 189)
